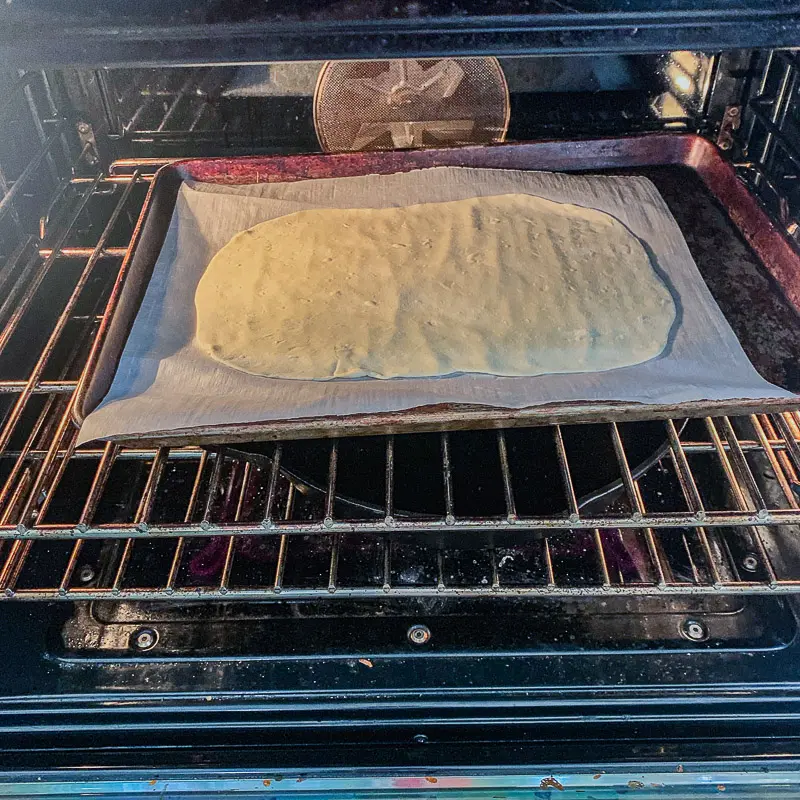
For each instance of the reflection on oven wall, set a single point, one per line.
(686, 77)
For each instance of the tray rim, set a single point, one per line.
(769, 244)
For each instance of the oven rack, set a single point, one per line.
(113, 522)
(775, 438)
(749, 550)
(243, 529)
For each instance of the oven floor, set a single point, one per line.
(451, 626)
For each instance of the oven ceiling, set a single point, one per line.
(49, 33)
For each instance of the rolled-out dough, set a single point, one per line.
(505, 285)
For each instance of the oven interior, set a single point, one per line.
(363, 582)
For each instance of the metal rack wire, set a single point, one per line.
(770, 156)
(739, 548)
(115, 522)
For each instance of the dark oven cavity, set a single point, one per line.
(633, 536)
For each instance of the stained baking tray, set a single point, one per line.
(634, 155)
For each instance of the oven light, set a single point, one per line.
(683, 83)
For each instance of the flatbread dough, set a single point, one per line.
(505, 285)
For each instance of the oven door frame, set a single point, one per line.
(647, 780)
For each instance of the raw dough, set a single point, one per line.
(506, 285)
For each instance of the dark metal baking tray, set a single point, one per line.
(631, 154)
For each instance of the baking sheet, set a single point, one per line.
(165, 383)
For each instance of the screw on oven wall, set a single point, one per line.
(86, 573)
(88, 143)
(731, 121)
(694, 630)
(750, 563)
(419, 634)
(144, 638)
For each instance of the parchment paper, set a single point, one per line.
(165, 383)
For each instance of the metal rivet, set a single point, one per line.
(421, 738)
(86, 574)
(694, 630)
(750, 563)
(419, 634)
(144, 639)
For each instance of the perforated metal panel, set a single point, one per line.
(386, 105)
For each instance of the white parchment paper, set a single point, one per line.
(165, 383)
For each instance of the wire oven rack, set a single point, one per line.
(768, 150)
(718, 513)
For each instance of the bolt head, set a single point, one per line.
(750, 563)
(694, 630)
(419, 634)
(144, 639)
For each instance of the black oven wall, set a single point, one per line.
(42, 33)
